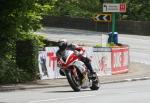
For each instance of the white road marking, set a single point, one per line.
(55, 99)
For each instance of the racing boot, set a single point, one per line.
(92, 75)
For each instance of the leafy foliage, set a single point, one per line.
(18, 18)
(136, 9)
(76, 8)
(9, 72)
(27, 57)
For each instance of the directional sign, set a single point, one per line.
(110, 7)
(102, 18)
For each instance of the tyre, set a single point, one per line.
(74, 83)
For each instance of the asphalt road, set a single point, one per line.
(126, 92)
(139, 45)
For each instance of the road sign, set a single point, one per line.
(110, 7)
(102, 18)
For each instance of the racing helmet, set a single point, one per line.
(62, 44)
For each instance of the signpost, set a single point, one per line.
(110, 8)
(114, 7)
(102, 18)
(113, 23)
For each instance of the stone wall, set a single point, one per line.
(126, 27)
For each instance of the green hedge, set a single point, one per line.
(23, 65)
(9, 73)
(27, 58)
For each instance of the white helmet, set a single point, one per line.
(63, 40)
(62, 43)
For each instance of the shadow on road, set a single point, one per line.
(66, 91)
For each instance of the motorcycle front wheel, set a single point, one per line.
(73, 81)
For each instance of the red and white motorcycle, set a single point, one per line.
(76, 72)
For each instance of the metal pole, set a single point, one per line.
(113, 23)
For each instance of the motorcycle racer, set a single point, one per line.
(79, 51)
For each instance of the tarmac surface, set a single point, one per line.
(136, 72)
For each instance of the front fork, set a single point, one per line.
(74, 72)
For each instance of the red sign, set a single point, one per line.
(120, 60)
(122, 7)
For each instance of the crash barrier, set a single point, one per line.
(48, 69)
(120, 60)
(101, 60)
(104, 60)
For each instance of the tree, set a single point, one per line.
(18, 18)
(76, 8)
(137, 10)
